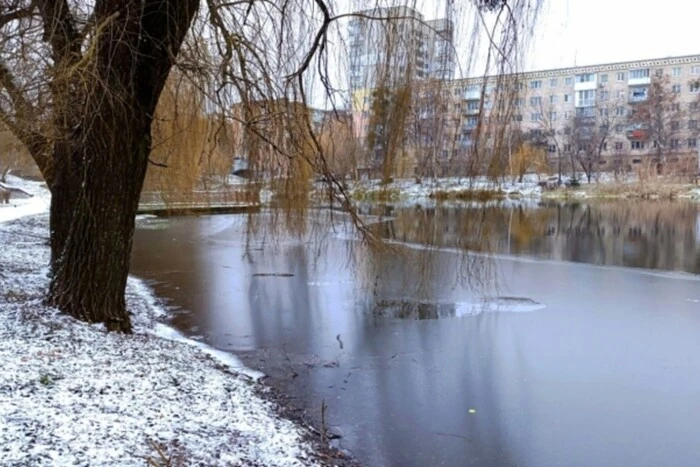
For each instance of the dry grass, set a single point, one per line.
(468, 195)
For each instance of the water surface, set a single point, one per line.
(581, 349)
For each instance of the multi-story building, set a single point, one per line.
(388, 46)
(614, 116)
(618, 116)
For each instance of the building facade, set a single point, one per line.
(618, 116)
(392, 45)
(623, 116)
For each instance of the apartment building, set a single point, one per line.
(619, 116)
(395, 44)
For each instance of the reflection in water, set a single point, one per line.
(411, 309)
(643, 234)
(603, 371)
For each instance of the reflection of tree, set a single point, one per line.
(638, 234)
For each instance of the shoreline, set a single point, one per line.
(73, 392)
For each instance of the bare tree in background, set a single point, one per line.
(592, 129)
(661, 118)
(80, 82)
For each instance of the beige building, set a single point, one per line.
(625, 116)
(616, 116)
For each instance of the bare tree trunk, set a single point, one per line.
(92, 218)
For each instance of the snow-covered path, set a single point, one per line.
(73, 394)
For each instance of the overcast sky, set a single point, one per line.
(587, 32)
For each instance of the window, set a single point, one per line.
(636, 161)
(637, 144)
(605, 146)
(638, 94)
(567, 97)
(693, 125)
(473, 105)
(676, 88)
(585, 98)
(604, 95)
(553, 83)
(518, 117)
(604, 112)
(536, 84)
(620, 94)
(695, 87)
(692, 143)
(638, 74)
(618, 128)
(585, 112)
(620, 111)
(535, 117)
(619, 146)
(567, 148)
(659, 72)
(567, 131)
(552, 148)
(518, 102)
(675, 107)
(621, 76)
(569, 81)
(677, 71)
(693, 106)
(552, 99)
(552, 116)
(537, 100)
(675, 126)
(695, 70)
(675, 143)
(585, 78)
(604, 78)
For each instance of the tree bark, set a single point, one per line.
(94, 202)
(100, 152)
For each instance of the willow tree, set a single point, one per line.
(80, 81)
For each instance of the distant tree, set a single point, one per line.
(390, 114)
(339, 146)
(530, 155)
(662, 118)
(592, 129)
(550, 132)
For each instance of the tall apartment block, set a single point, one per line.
(390, 45)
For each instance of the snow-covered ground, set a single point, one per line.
(17, 208)
(73, 394)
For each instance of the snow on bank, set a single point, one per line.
(408, 189)
(457, 191)
(73, 394)
(37, 204)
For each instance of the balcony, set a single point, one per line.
(638, 95)
(644, 80)
(586, 85)
(637, 132)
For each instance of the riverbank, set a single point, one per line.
(74, 394)
(532, 187)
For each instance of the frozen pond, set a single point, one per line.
(580, 346)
